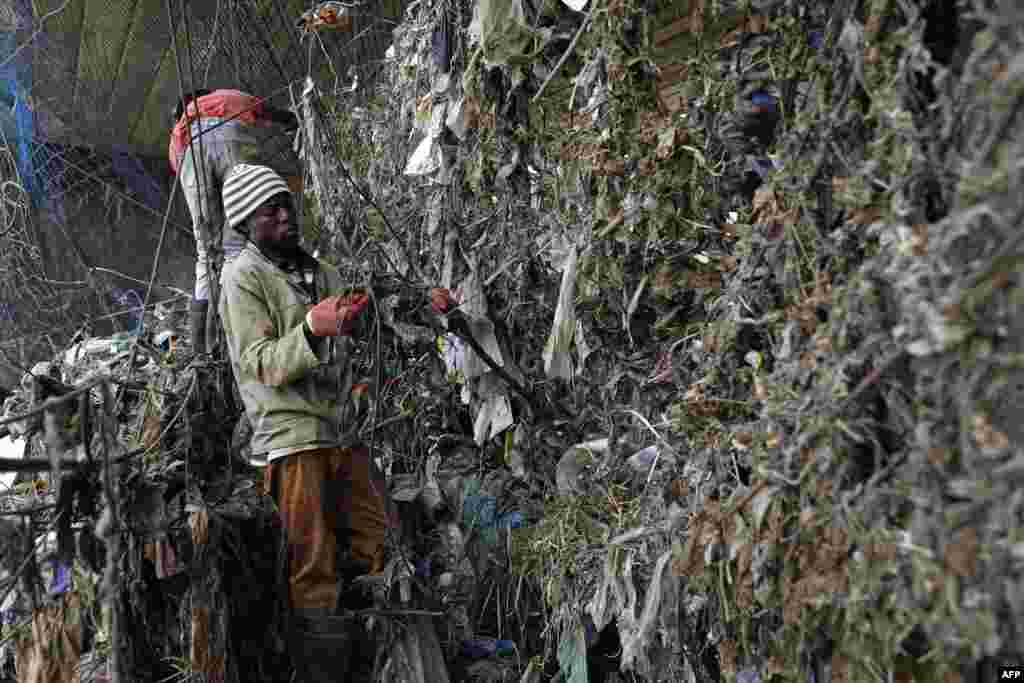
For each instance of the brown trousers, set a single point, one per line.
(334, 511)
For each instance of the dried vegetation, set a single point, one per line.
(772, 251)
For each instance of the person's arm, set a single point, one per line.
(273, 357)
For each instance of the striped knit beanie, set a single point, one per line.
(246, 187)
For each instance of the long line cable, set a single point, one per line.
(198, 161)
(212, 273)
(200, 186)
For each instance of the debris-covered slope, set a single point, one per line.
(772, 250)
(732, 390)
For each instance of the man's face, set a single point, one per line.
(273, 226)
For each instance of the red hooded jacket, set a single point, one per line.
(224, 104)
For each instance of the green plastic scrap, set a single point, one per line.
(572, 655)
(505, 35)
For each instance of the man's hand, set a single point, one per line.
(335, 316)
(442, 300)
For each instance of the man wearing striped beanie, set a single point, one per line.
(288, 333)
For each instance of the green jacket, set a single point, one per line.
(292, 392)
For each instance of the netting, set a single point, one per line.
(17, 118)
(22, 274)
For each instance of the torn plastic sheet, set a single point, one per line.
(554, 248)
(417, 656)
(570, 466)
(483, 332)
(457, 119)
(501, 29)
(495, 416)
(583, 349)
(425, 159)
(435, 211)
(515, 457)
(658, 617)
(475, 308)
(602, 606)
(575, 5)
(557, 351)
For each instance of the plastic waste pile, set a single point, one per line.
(177, 492)
(465, 89)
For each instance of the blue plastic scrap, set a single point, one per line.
(61, 581)
(764, 102)
(762, 167)
(481, 510)
(423, 568)
(480, 648)
(748, 675)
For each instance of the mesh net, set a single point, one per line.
(86, 89)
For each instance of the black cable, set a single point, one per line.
(212, 272)
(181, 88)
